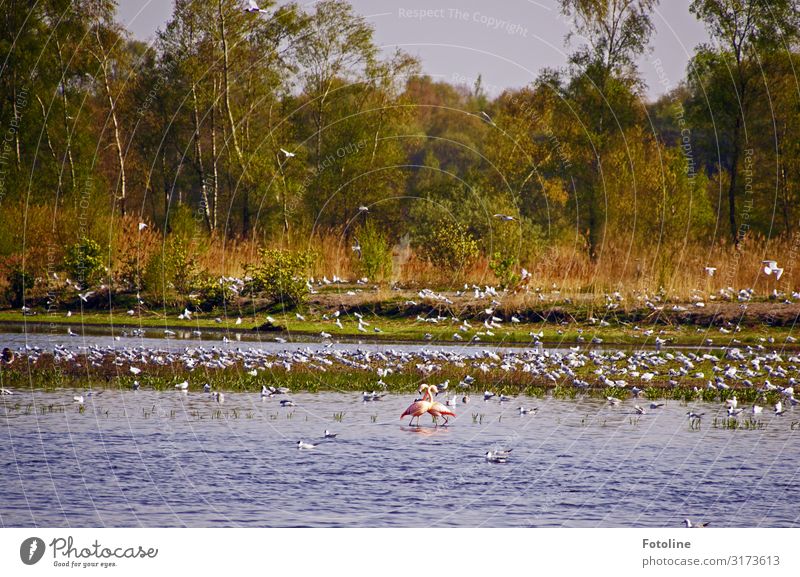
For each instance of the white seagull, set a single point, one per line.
(771, 267)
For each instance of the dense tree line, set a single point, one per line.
(277, 124)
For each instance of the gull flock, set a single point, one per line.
(750, 367)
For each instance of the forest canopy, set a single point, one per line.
(237, 131)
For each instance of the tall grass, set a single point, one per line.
(675, 271)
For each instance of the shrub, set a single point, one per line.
(503, 268)
(84, 262)
(281, 275)
(182, 265)
(171, 269)
(209, 292)
(133, 249)
(450, 246)
(375, 261)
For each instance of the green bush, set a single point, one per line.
(171, 271)
(281, 275)
(375, 261)
(209, 292)
(450, 246)
(84, 262)
(503, 268)
(182, 265)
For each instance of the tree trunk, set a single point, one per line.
(166, 184)
(226, 87)
(784, 184)
(214, 156)
(198, 153)
(593, 240)
(50, 144)
(117, 139)
(67, 132)
(732, 185)
(245, 214)
(783, 181)
(15, 112)
(229, 112)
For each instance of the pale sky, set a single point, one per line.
(506, 41)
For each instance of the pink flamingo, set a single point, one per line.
(437, 409)
(417, 409)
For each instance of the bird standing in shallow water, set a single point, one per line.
(416, 410)
(437, 409)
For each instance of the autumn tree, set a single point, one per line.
(727, 75)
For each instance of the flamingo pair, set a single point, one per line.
(427, 405)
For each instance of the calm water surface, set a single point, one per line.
(170, 459)
(99, 337)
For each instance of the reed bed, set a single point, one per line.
(675, 270)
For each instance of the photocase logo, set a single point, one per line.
(31, 551)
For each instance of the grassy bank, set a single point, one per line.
(559, 325)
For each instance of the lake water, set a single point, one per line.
(15, 336)
(150, 458)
